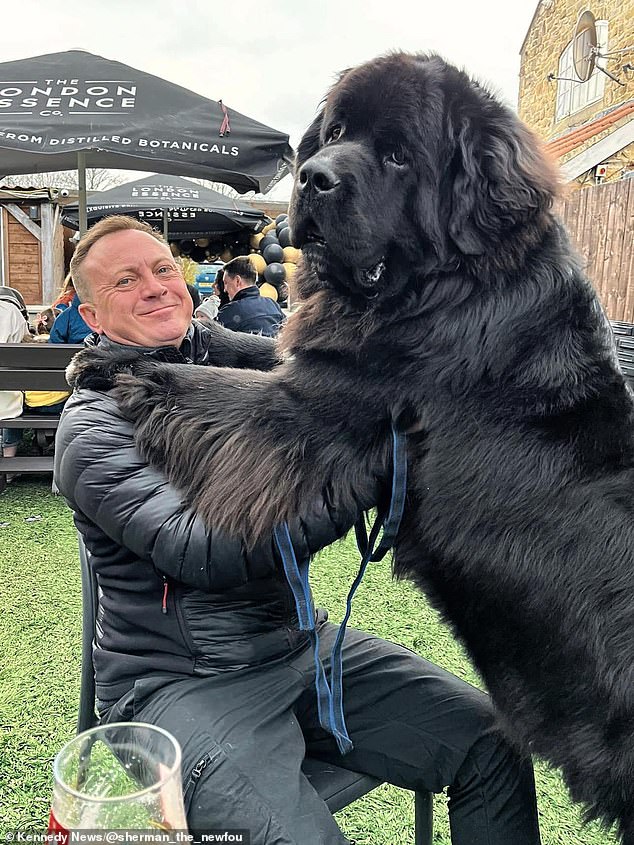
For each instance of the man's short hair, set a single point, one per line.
(106, 226)
(241, 266)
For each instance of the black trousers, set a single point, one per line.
(244, 735)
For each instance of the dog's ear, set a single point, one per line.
(501, 179)
(309, 144)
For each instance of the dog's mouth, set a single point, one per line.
(328, 261)
(313, 237)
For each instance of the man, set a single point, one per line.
(248, 310)
(200, 637)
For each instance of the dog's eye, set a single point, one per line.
(335, 133)
(396, 157)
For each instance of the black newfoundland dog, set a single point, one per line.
(440, 294)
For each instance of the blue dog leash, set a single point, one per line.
(297, 577)
(330, 696)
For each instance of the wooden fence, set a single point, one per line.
(600, 220)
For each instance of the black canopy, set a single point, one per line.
(192, 210)
(55, 106)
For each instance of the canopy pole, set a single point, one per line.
(81, 175)
(165, 213)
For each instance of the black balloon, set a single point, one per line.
(273, 253)
(286, 239)
(281, 217)
(198, 254)
(267, 240)
(275, 274)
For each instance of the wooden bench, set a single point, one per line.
(33, 366)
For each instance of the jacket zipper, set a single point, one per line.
(164, 602)
(196, 774)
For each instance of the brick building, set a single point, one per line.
(588, 126)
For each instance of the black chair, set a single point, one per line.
(625, 352)
(622, 329)
(338, 787)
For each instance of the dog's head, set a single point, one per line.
(412, 164)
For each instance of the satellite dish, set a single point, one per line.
(584, 46)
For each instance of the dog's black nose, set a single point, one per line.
(318, 175)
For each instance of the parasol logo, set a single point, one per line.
(165, 192)
(67, 96)
(172, 213)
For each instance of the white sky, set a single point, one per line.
(272, 59)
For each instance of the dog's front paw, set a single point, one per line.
(96, 369)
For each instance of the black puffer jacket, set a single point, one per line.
(249, 311)
(175, 597)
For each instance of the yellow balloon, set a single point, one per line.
(268, 228)
(258, 262)
(268, 290)
(291, 269)
(255, 240)
(292, 254)
(226, 255)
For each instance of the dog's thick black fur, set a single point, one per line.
(440, 293)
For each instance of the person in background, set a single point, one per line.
(207, 311)
(33, 401)
(13, 329)
(248, 310)
(14, 296)
(44, 323)
(65, 295)
(69, 326)
(219, 288)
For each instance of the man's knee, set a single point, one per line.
(492, 757)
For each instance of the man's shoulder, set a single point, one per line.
(88, 415)
(197, 342)
(273, 306)
(86, 404)
(229, 306)
(230, 313)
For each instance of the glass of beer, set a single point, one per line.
(122, 776)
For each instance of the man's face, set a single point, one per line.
(138, 294)
(232, 284)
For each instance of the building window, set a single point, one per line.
(574, 96)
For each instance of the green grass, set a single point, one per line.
(40, 627)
